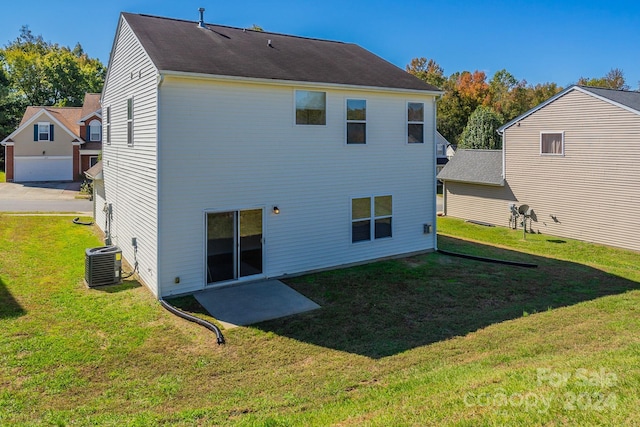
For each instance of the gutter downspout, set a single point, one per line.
(435, 173)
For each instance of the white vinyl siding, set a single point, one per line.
(207, 164)
(130, 172)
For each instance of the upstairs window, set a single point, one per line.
(441, 150)
(130, 121)
(43, 131)
(95, 130)
(415, 122)
(371, 218)
(356, 121)
(552, 143)
(108, 125)
(311, 108)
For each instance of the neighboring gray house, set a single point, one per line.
(233, 155)
(574, 160)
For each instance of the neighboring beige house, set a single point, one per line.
(574, 160)
(54, 143)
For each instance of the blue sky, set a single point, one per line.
(539, 41)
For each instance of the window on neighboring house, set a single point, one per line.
(43, 131)
(552, 143)
(108, 125)
(356, 121)
(415, 122)
(92, 161)
(311, 108)
(371, 218)
(130, 121)
(441, 150)
(95, 128)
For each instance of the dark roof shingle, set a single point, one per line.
(623, 97)
(474, 166)
(177, 45)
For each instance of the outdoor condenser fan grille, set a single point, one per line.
(103, 266)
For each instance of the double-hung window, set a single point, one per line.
(108, 125)
(43, 132)
(552, 143)
(371, 218)
(415, 122)
(95, 128)
(311, 107)
(356, 121)
(130, 121)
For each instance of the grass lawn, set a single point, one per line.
(428, 340)
(2, 176)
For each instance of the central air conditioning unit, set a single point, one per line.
(103, 266)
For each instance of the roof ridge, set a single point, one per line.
(146, 15)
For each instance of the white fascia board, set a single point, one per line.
(277, 82)
(97, 113)
(602, 98)
(534, 109)
(89, 152)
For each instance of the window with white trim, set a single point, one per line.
(371, 218)
(108, 125)
(441, 150)
(356, 121)
(44, 129)
(130, 121)
(552, 143)
(95, 129)
(92, 161)
(415, 122)
(311, 107)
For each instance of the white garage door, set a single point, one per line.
(58, 168)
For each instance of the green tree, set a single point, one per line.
(427, 70)
(481, 130)
(614, 79)
(44, 73)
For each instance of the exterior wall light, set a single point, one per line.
(276, 210)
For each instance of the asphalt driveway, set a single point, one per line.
(43, 197)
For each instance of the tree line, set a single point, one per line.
(474, 106)
(36, 72)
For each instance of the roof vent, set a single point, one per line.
(201, 22)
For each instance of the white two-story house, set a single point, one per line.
(233, 155)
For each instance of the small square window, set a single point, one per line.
(364, 225)
(311, 108)
(552, 143)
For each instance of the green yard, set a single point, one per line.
(428, 340)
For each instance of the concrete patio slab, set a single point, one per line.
(245, 304)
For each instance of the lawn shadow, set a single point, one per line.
(9, 307)
(124, 286)
(385, 308)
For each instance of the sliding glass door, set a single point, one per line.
(234, 245)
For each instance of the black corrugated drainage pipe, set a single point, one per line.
(194, 319)
(76, 220)
(493, 260)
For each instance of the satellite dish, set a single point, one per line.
(523, 209)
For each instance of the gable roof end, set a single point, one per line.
(181, 46)
(627, 100)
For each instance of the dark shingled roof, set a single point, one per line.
(474, 166)
(623, 97)
(177, 45)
